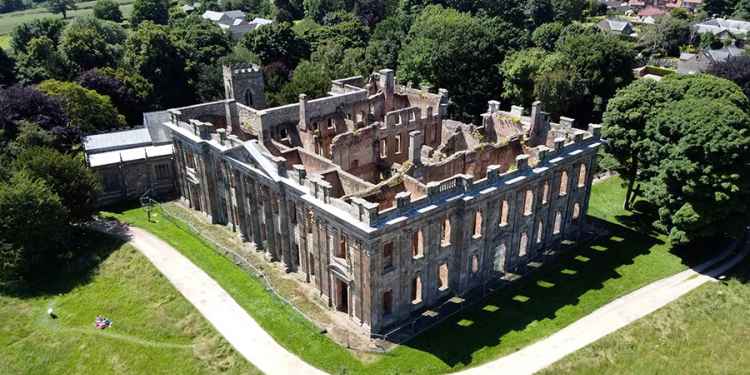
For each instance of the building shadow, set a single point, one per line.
(536, 297)
(84, 252)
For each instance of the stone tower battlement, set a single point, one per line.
(244, 83)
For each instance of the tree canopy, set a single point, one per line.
(108, 10)
(686, 142)
(156, 11)
(87, 43)
(86, 109)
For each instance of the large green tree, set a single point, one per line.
(386, 40)
(86, 109)
(88, 43)
(48, 27)
(107, 10)
(156, 11)
(151, 52)
(686, 142)
(519, 71)
(665, 36)
(41, 61)
(458, 52)
(277, 43)
(31, 226)
(66, 175)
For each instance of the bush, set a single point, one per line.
(107, 10)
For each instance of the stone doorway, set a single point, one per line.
(342, 296)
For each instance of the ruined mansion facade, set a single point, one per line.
(376, 198)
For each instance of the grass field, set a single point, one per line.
(705, 332)
(155, 330)
(8, 21)
(505, 322)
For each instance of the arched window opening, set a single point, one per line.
(443, 276)
(417, 244)
(504, 213)
(545, 193)
(563, 183)
(582, 175)
(523, 246)
(528, 203)
(478, 224)
(539, 231)
(446, 240)
(416, 290)
(558, 222)
(474, 264)
(500, 253)
(576, 211)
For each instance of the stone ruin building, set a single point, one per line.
(378, 199)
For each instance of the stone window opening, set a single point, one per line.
(528, 203)
(387, 255)
(545, 193)
(576, 211)
(162, 171)
(582, 175)
(310, 220)
(500, 253)
(384, 148)
(416, 290)
(478, 224)
(558, 223)
(398, 144)
(443, 277)
(312, 265)
(523, 245)
(341, 249)
(563, 183)
(413, 116)
(372, 109)
(474, 264)
(331, 125)
(539, 232)
(387, 302)
(361, 116)
(355, 164)
(503, 213)
(417, 244)
(292, 213)
(446, 240)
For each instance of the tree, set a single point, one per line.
(277, 43)
(156, 11)
(7, 6)
(735, 69)
(539, 12)
(18, 103)
(340, 62)
(440, 38)
(86, 109)
(7, 68)
(28, 202)
(701, 182)
(61, 6)
(665, 36)
(22, 34)
(41, 61)
(88, 43)
(519, 72)
(685, 140)
(624, 125)
(742, 9)
(341, 27)
(260, 8)
(567, 11)
(385, 42)
(128, 91)
(719, 7)
(288, 10)
(107, 10)
(546, 36)
(151, 52)
(308, 78)
(66, 175)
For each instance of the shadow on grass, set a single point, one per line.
(537, 297)
(81, 260)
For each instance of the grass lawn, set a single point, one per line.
(704, 332)
(155, 330)
(8, 21)
(556, 296)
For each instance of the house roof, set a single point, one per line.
(719, 25)
(117, 140)
(615, 25)
(721, 55)
(130, 154)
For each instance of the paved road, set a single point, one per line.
(248, 338)
(231, 320)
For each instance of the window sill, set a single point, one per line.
(445, 244)
(503, 225)
(416, 302)
(417, 257)
(388, 269)
(443, 289)
(476, 236)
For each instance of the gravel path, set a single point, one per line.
(231, 320)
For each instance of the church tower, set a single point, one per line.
(244, 83)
